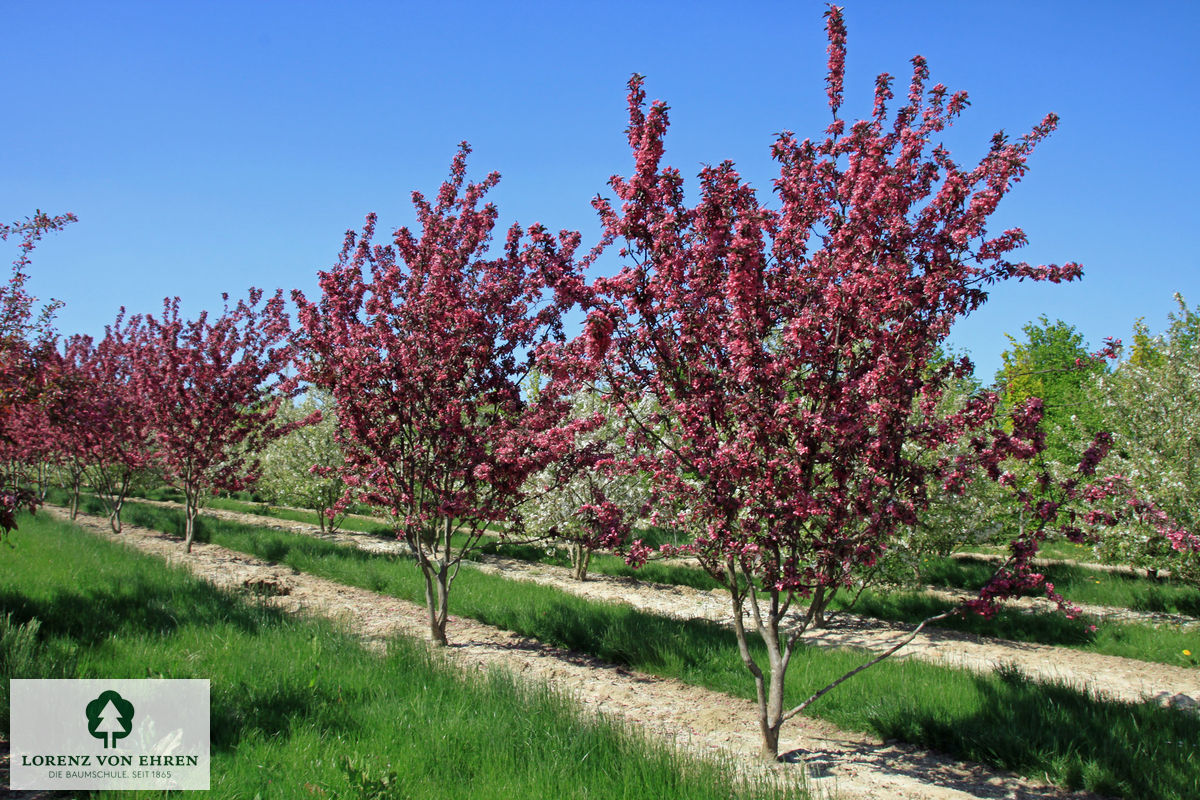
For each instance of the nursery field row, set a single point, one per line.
(1003, 719)
(1155, 636)
(1083, 583)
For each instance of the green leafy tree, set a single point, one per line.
(1053, 362)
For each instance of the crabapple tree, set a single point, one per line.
(425, 344)
(787, 348)
(26, 341)
(589, 500)
(215, 385)
(119, 437)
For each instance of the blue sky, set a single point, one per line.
(208, 147)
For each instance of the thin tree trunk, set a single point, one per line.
(770, 735)
(118, 501)
(43, 480)
(581, 557)
(436, 573)
(191, 502)
(436, 591)
(114, 518)
(818, 605)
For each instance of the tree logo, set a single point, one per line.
(110, 717)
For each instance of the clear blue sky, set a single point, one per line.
(211, 146)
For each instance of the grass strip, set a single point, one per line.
(1030, 727)
(1051, 548)
(300, 709)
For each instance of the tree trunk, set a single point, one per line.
(818, 605)
(114, 518)
(436, 594)
(43, 480)
(772, 715)
(581, 556)
(191, 503)
(118, 501)
(768, 689)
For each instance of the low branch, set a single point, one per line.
(822, 692)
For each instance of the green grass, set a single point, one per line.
(1033, 728)
(300, 709)
(1052, 548)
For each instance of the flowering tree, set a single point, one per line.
(215, 387)
(302, 468)
(589, 500)
(119, 436)
(424, 344)
(788, 348)
(1151, 403)
(76, 413)
(25, 342)
(28, 447)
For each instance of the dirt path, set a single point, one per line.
(836, 763)
(1112, 676)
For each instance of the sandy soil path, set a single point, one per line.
(835, 762)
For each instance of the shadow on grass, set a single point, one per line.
(276, 711)
(135, 606)
(1103, 748)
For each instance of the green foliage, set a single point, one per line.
(1052, 362)
(980, 513)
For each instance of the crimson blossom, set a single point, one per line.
(25, 344)
(103, 420)
(793, 350)
(425, 344)
(214, 387)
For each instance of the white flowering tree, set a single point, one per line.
(589, 501)
(300, 469)
(972, 509)
(1151, 403)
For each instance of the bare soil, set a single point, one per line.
(832, 762)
